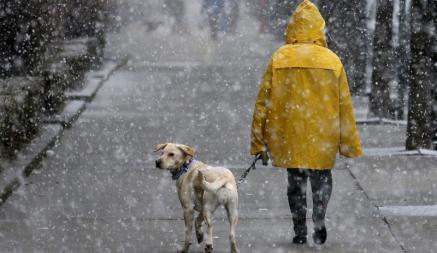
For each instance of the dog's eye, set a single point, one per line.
(171, 154)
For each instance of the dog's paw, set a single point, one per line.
(234, 248)
(199, 237)
(208, 248)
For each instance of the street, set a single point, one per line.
(99, 191)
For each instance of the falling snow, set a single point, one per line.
(89, 87)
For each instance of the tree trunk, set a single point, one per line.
(383, 67)
(403, 53)
(419, 130)
(434, 75)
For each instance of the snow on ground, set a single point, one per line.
(430, 210)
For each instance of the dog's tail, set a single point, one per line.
(212, 186)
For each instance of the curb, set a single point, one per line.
(182, 66)
(381, 121)
(79, 98)
(398, 151)
(69, 115)
(12, 172)
(94, 80)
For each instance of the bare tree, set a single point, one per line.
(434, 73)
(419, 129)
(403, 54)
(383, 67)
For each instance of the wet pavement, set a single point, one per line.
(98, 190)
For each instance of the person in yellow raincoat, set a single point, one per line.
(303, 116)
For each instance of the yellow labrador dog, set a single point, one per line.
(200, 188)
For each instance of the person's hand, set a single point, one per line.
(264, 157)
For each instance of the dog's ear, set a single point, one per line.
(187, 150)
(160, 146)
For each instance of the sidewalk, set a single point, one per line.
(98, 190)
(404, 190)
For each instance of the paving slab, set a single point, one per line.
(409, 210)
(417, 234)
(382, 136)
(404, 189)
(400, 180)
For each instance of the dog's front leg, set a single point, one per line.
(188, 218)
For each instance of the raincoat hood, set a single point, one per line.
(306, 26)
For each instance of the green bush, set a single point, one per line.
(20, 110)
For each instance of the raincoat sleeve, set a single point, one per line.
(350, 145)
(258, 144)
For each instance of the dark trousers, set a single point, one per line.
(321, 186)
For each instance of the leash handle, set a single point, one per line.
(252, 167)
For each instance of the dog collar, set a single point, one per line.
(175, 175)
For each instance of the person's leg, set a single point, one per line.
(223, 17)
(296, 192)
(234, 15)
(213, 18)
(321, 185)
(180, 16)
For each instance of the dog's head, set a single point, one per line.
(173, 156)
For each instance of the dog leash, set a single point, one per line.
(252, 167)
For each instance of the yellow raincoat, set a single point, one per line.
(303, 113)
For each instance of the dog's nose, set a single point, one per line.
(158, 163)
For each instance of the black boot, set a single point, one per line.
(320, 235)
(300, 230)
(300, 239)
